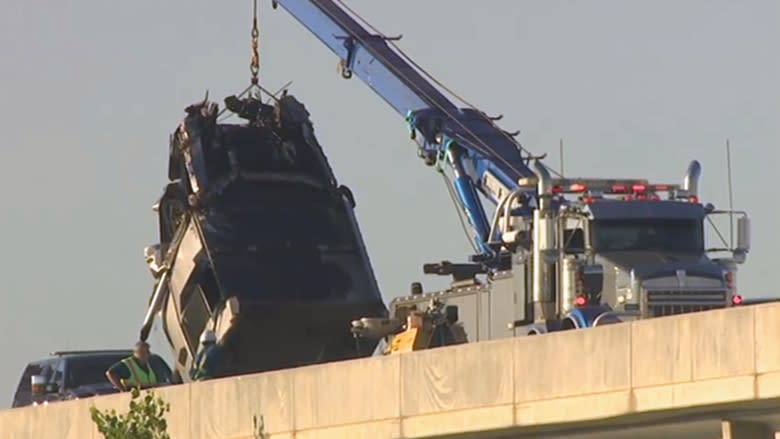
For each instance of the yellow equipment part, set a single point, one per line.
(413, 339)
(418, 335)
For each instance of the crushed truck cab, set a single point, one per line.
(258, 242)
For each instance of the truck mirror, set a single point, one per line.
(37, 384)
(593, 279)
(345, 192)
(743, 234)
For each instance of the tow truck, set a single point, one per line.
(558, 253)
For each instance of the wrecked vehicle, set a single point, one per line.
(258, 242)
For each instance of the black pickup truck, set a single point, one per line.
(75, 374)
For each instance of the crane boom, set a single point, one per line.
(481, 156)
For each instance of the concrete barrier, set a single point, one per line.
(726, 358)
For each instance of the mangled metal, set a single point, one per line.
(257, 242)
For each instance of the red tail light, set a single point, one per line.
(619, 189)
(662, 187)
(693, 199)
(736, 299)
(587, 199)
(557, 189)
(580, 301)
(577, 187)
(655, 197)
(639, 188)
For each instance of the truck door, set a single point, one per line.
(57, 381)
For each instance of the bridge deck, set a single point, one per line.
(667, 377)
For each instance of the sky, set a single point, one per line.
(92, 89)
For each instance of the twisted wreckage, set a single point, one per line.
(258, 242)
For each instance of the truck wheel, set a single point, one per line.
(568, 324)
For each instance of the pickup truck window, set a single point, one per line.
(89, 370)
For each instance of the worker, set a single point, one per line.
(207, 358)
(135, 371)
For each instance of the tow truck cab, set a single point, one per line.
(651, 256)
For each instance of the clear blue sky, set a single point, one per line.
(92, 89)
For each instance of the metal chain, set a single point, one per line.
(254, 65)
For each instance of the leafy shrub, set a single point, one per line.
(145, 420)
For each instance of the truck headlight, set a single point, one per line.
(627, 286)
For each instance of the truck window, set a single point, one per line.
(58, 375)
(666, 235)
(573, 241)
(195, 314)
(89, 370)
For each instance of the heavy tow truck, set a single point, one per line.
(557, 253)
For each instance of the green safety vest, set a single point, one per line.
(138, 377)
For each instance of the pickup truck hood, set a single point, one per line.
(88, 390)
(649, 264)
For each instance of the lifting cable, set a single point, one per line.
(254, 64)
(255, 90)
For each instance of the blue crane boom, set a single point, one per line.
(479, 153)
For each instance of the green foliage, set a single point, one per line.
(145, 420)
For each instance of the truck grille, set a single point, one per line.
(670, 302)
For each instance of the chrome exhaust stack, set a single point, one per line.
(543, 247)
(691, 180)
(544, 186)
